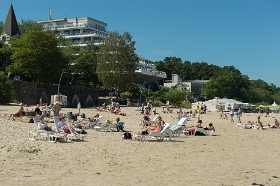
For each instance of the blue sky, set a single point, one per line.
(240, 33)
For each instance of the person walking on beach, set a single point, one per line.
(239, 113)
(198, 112)
(231, 113)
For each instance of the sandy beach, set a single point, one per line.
(232, 156)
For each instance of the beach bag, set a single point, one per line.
(127, 135)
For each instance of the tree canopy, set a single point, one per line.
(116, 66)
(36, 57)
(5, 89)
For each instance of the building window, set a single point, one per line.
(76, 41)
(76, 32)
(66, 33)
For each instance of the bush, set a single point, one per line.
(6, 92)
(176, 97)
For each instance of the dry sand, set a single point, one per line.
(231, 157)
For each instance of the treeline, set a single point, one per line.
(224, 81)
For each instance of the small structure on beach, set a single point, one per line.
(224, 104)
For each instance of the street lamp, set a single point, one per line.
(60, 81)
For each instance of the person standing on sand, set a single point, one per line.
(79, 107)
(198, 112)
(239, 113)
(56, 109)
(231, 113)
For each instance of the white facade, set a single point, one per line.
(80, 30)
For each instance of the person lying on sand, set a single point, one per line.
(209, 127)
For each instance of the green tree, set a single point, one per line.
(228, 82)
(5, 89)
(170, 65)
(5, 57)
(36, 57)
(116, 67)
(29, 25)
(85, 65)
(176, 97)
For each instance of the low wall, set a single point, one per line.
(30, 93)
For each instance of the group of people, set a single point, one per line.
(148, 126)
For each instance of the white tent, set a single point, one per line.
(274, 104)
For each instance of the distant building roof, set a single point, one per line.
(11, 26)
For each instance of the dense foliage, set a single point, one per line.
(116, 66)
(224, 81)
(36, 57)
(5, 89)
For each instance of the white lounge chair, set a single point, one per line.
(97, 123)
(168, 134)
(154, 120)
(111, 127)
(177, 128)
(158, 135)
(74, 134)
(35, 132)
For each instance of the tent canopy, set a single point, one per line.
(274, 104)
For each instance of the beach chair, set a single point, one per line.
(34, 133)
(154, 120)
(58, 134)
(97, 123)
(74, 134)
(158, 135)
(111, 127)
(168, 134)
(141, 137)
(177, 128)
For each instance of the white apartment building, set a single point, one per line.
(80, 30)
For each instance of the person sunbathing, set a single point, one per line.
(209, 127)
(117, 110)
(156, 128)
(62, 123)
(19, 113)
(275, 125)
(198, 124)
(37, 110)
(94, 118)
(146, 121)
(108, 122)
(160, 121)
(68, 129)
(42, 125)
(119, 125)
